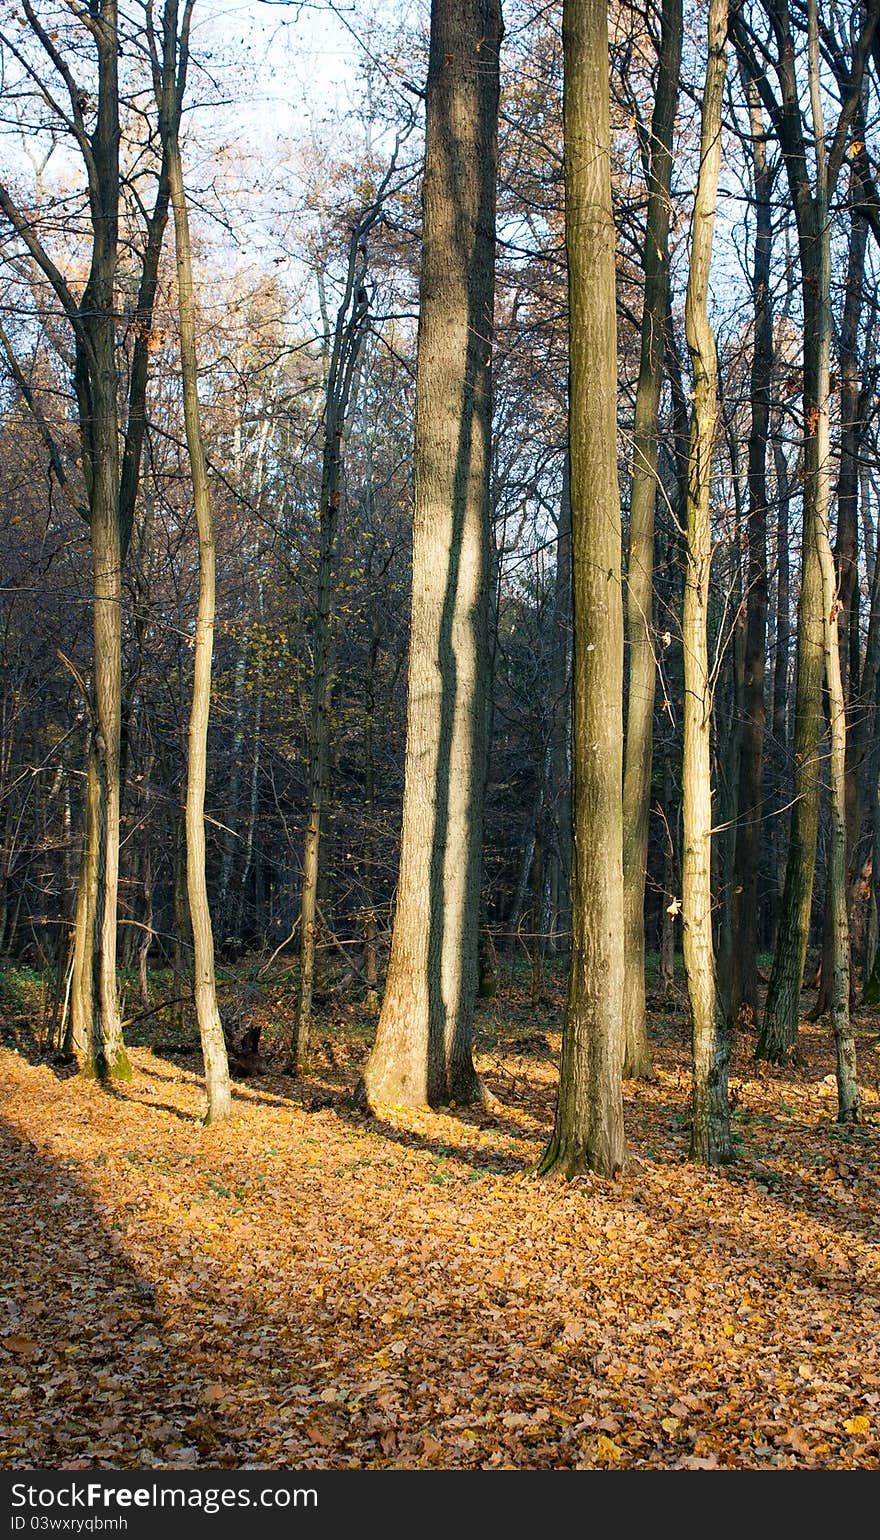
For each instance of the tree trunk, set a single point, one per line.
(588, 1131)
(342, 374)
(847, 1084)
(640, 569)
(230, 838)
(782, 1009)
(217, 1088)
(743, 991)
(779, 729)
(371, 959)
(559, 852)
(710, 1130)
(858, 693)
(423, 1049)
(96, 1027)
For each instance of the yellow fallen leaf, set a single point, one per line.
(671, 1424)
(606, 1449)
(857, 1425)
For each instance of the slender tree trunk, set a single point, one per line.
(640, 569)
(779, 719)
(670, 889)
(847, 1084)
(223, 907)
(180, 916)
(538, 940)
(560, 705)
(371, 960)
(319, 733)
(710, 1131)
(219, 1096)
(423, 1049)
(743, 996)
(341, 379)
(588, 1131)
(96, 1027)
(782, 1009)
(240, 927)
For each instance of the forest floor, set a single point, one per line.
(311, 1288)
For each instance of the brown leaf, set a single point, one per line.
(24, 1347)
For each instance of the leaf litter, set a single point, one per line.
(308, 1287)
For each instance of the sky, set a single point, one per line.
(283, 74)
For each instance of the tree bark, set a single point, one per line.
(342, 373)
(559, 852)
(96, 1025)
(742, 1003)
(423, 1050)
(170, 100)
(588, 1132)
(710, 1129)
(847, 1083)
(640, 568)
(782, 1009)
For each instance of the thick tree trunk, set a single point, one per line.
(710, 1130)
(588, 1132)
(423, 1048)
(640, 569)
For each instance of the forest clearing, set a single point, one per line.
(314, 1288)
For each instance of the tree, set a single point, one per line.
(743, 981)
(90, 119)
(640, 567)
(352, 322)
(423, 1048)
(847, 1085)
(782, 1008)
(710, 1127)
(588, 1131)
(169, 73)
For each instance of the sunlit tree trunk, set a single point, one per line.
(170, 97)
(847, 1084)
(710, 1129)
(588, 1132)
(858, 690)
(423, 1049)
(640, 569)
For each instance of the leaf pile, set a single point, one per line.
(308, 1287)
